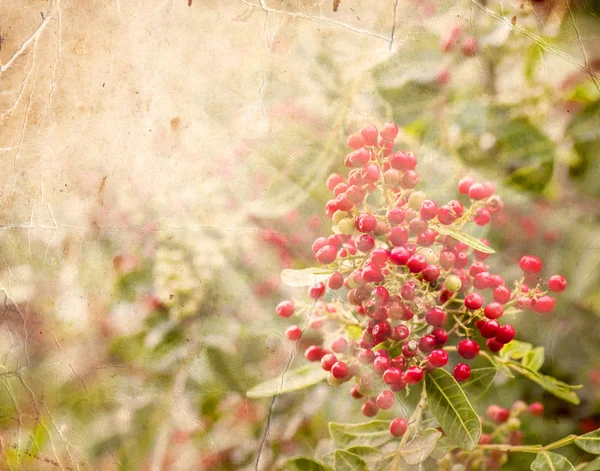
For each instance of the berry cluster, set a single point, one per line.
(415, 287)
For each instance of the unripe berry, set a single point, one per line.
(385, 399)
(293, 333)
(530, 264)
(557, 283)
(285, 309)
(438, 358)
(468, 349)
(461, 372)
(473, 301)
(413, 375)
(453, 283)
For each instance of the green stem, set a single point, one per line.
(531, 448)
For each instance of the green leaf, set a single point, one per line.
(304, 464)
(374, 433)
(593, 465)
(39, 437)
(548, 461)
(418, 450)
(499, 364)
(533, 54)
(468, 239)
(346, 461)
(293, 380)
(550, 384)
(452, 409)
(354, 332)
(227, 367)
(534, 359)
(304, 277)
(515, 350)
(374, 458)
(479, 382)
(589, 442)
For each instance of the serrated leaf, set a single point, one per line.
(374, 433)
(534, 359)
(451, 408)
(479, 382)
(346, 461)
(548, 461)
(515, 350)
(465, 238)
(303, 277)
(418, 449)
(304, 464)
(589, 442)
(550, 384)
(293, 380)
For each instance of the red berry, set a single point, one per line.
(285, 309)
(465, 184)
(410, 349)
(429, 209)
(427, 343)
(473, 301)
(436, 317)
(494, 345)
(365, 243)
(392, 375)
(482, 217)
(355, 141)
(404, 161)
(327, 361)
(340, 370)
(369, 409)
(557, 283)
(441, 336)
(477, 191)
(501, 294)
(398, 362)
(469, 47)
(334, 180)
(365, 222)
(461, 372)
(468, 349)
(536, 409)
(485, 439)
(398, 236)
(413, 375)
(336, 280)
(497, 414)
(489, 329)
(293, 333)
(369, 134)
(385, 399)
(389, 131)
(505, 334)
(544, 305)
(355, 393)
(438, 358)
(399, 256)
(431, 273)
(395, 216)
(398, 427)
(416, 263)
(493, 311)
(313, 353)
(399, 333)
(530, 264)
(381, 364)
(327, 254)
(408, 290)
(317, 290)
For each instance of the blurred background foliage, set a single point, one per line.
(180, 294)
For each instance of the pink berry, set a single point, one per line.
(340, 370)
(327, 254)
(438, 358)
(430, 273)
(339, 345)
(404, 161)
(461, 372)
(366, 357)
(530, 264)
(469, 47)
(369, 134)
(365, 243)
(398, 236)
(385, 399)
(389, 131)
(409, 179)
(395, 216)
(327, 361)
(429, 209)
(317, 290)
(493, 310)
(477, 191)
(369, 409)
(285, 309)
(398, 427)
(381, 364)
(365, 222)
(468, 349)
(333, 180)
(336, 280)
(293, 333)
(399, 256)
(557, 283)
(536, 409)
(501, 294)
(465, 184)
(399, 333)
(544, 305)
(313, 353)
(355, 141)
